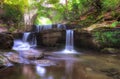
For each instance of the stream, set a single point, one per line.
(65, 64)
(83, 65)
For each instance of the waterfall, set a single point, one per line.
(24, 43)
(25, 36)
(61, 26)
(46, 27)
(43, 27)
(69, 47)
(37, 28)
(69, 40)
(33, 41)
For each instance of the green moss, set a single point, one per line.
(114, 24)
(108, 38)
(2, 25)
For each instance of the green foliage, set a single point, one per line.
(42, 21)
(14, 10)
(114, 24)
(53, 1)
(20, 4)
(70, 11)
(12, 29)
(13, 13)
(110, 4)
(108, 38)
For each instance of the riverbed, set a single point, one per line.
(81, 65)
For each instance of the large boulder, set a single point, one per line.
(6, 41)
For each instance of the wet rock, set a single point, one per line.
(18, 35)
(85, 39)
(1, 61)
(32, 54)
(4, 61)
(110, 50)
(112, 72)
(6, 41)
(13, 57)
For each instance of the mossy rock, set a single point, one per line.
(3, 61)
(110, 50)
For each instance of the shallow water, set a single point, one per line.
(68, 66)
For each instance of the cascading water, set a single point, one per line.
(33, 41)
(25, 36)
(37, 28)
(69, 48)
(69, 40)
(61, 26)
(22, 44)
(43, 27)
(46, 27)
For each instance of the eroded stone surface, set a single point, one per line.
(32, 54)
(13, 57)
(4, 61)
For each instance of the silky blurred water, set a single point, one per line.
(66, 66)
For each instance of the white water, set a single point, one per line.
(25, 36)
(61, 26)
(46, 27)
(43, 27)
(38, 28)
(20, 45)
(69, 40)
(33, 41)
(24, 44)
(69, 47)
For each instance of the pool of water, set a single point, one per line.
(68, 66)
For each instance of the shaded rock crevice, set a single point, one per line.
(6, 41)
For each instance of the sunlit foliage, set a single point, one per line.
(70, 10)
(110, 4)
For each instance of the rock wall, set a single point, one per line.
(51, 38)
(6, 41)
(98, 38)
(85, 39)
